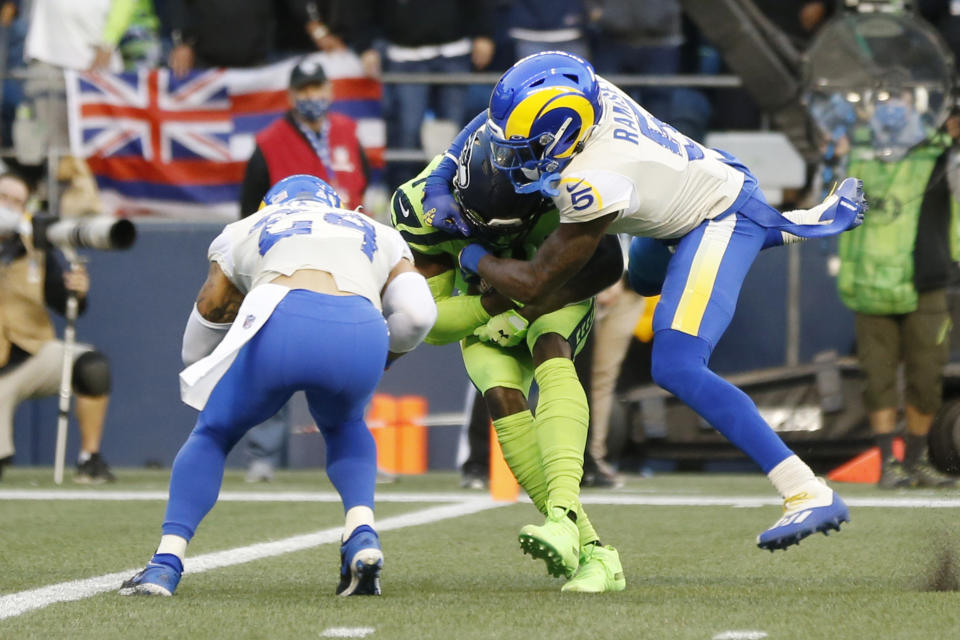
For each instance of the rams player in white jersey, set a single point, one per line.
(302, 295)
(611, 167)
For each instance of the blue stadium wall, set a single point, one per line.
(140, 299)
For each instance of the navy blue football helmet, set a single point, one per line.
(491, 206)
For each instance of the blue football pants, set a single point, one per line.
(334, 348)
(700, 291)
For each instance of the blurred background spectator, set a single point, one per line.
(31, 356)
(431, 36)
(639, 38)
(894, 274)
(63, 34)
(140, 45)
(548, 25)
(221, 33)
(308, 139)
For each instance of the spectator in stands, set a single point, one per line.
(309, 140)
(548, 25)
(14, 25)
(335, 25)
(222, 33)
(641, 38)
(140, 43)
(64, 34)
(432, 36)
(798, 19)
(31, 357)
(894, 273)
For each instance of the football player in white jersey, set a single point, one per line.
(302, 295)
(612, 167)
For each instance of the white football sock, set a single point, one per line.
(356, 517)
(174, 545)
(790, 475)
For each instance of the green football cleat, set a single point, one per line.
(557, 542)
(600, 571)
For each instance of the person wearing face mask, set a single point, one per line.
(307, 139)
(894, 275)
(31, 357)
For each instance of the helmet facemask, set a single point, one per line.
(492, 206)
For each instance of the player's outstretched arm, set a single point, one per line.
(215, 309)
(408, 308)
(559, 258)
(457, 316)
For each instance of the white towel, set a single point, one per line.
(199, 379)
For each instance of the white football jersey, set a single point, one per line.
(357, 251)
(662, 183)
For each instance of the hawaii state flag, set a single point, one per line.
(170, 147)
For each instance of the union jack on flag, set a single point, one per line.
(170, 146)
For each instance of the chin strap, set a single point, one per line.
(548, 184)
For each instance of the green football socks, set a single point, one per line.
(561, 429)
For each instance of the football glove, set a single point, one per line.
(441, 211)
(507, 329)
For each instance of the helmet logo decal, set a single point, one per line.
(543, 106)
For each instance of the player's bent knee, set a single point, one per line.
(91, 374)
(504, 401)
(675, 371)
(551, 345)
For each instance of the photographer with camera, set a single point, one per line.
(31, 357)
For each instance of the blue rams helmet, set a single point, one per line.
(491, 206)
(541, 109)
(301, 186)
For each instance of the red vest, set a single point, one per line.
(287, 152)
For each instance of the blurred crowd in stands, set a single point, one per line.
(433, 36)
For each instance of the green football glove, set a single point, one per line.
(507, 329)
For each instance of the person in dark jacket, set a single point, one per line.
(434, 36)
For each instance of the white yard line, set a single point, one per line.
(645, 499)
(347, 632)
(740, 635)
(16, 604)
(230, 496)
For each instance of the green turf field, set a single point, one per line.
(687, 542)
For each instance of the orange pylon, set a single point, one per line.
(382, 419)
(865, 467)
(503, 485)
(412, 434)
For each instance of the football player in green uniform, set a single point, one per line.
(506, 346)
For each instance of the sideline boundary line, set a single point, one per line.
(15, 604)
(644, 500)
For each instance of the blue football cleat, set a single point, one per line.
(818, 508)
(360, 563)
(156, 579)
